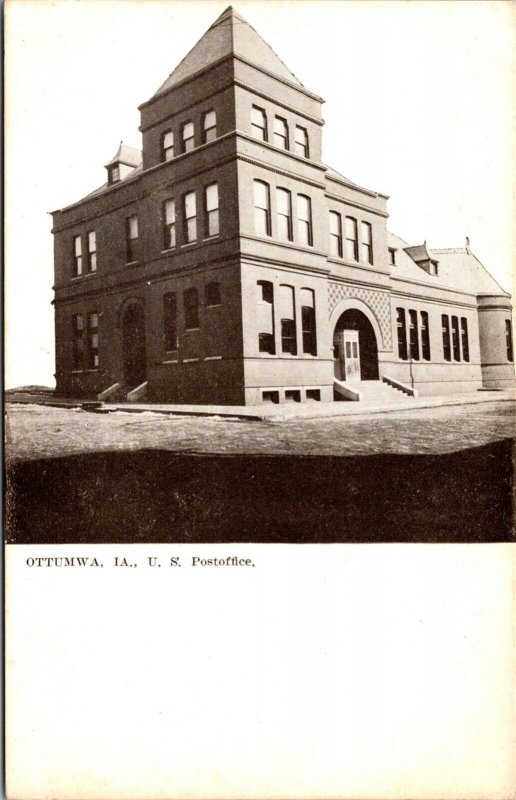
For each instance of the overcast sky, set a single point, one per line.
(418, 106)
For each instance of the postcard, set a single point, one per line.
(259, 400)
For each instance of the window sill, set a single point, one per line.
(188, 244)
(84, 371)
(213, 358)
(214, 305)
(190, 330)
(168, 251)
(131, 263)
(190, 360)
(211, 238)
(171, 361)
(84, 275)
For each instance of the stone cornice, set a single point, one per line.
(292, 175)
(354, 204)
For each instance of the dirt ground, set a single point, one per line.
(35, 431)
(440, 474)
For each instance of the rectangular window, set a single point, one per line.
(284, 214)
(464, 338)
(170, 321)
(335, 234)
(187, 131)
(425, 337)
(262, 209)
(392, 256)
(114, 174)
(191, 301)
(190, 217)
(301, 142)
(77, 341)
(258, 124)
(413, 336)
(367, 243)
(265, 317)
(92, 251)
(131, 234)
(445, 322)
(209, 126)
(508, 340)
(351, 239)
(288, 320)
(402, 333)
(211, 199)
(77, 255)
(304, 219)
(168, 215)
(212, 294)
(281, 133)
(93, 341)
(455, 338)
(308, 321)
(167, 145)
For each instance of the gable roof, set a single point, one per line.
(230, 34)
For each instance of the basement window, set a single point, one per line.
(293, 396)
(313, 394)
(270, 397)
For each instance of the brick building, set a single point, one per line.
(225, 263)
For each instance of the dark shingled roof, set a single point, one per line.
(229, 34)
(130, 156)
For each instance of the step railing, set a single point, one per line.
(109, 392)
(403, 387)
(138, 393)
(346, 391)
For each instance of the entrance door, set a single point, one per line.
(351, 352)
(133, 325)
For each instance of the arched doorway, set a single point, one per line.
(133, 338)
(355, 349)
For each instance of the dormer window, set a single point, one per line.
(433, 267)
(392, 256)
(125, 161)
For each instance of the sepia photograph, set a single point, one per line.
(273, 318)
(259, 399)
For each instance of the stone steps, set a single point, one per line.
(380, 392)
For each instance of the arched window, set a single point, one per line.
(170, 321)
(335, 234)
(445, 322)
(284, 214)
(212, 294)
(307, 298)
(262, 208)
(191, 301)
(288, 319)
(304, 219)
(351, 239)
(265, 314)
(209, 126)
(402, 333)
(167, 145)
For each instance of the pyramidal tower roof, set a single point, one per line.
(230, 34)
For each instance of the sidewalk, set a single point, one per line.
(283, 412)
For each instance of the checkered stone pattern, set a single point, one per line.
(378, 302)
